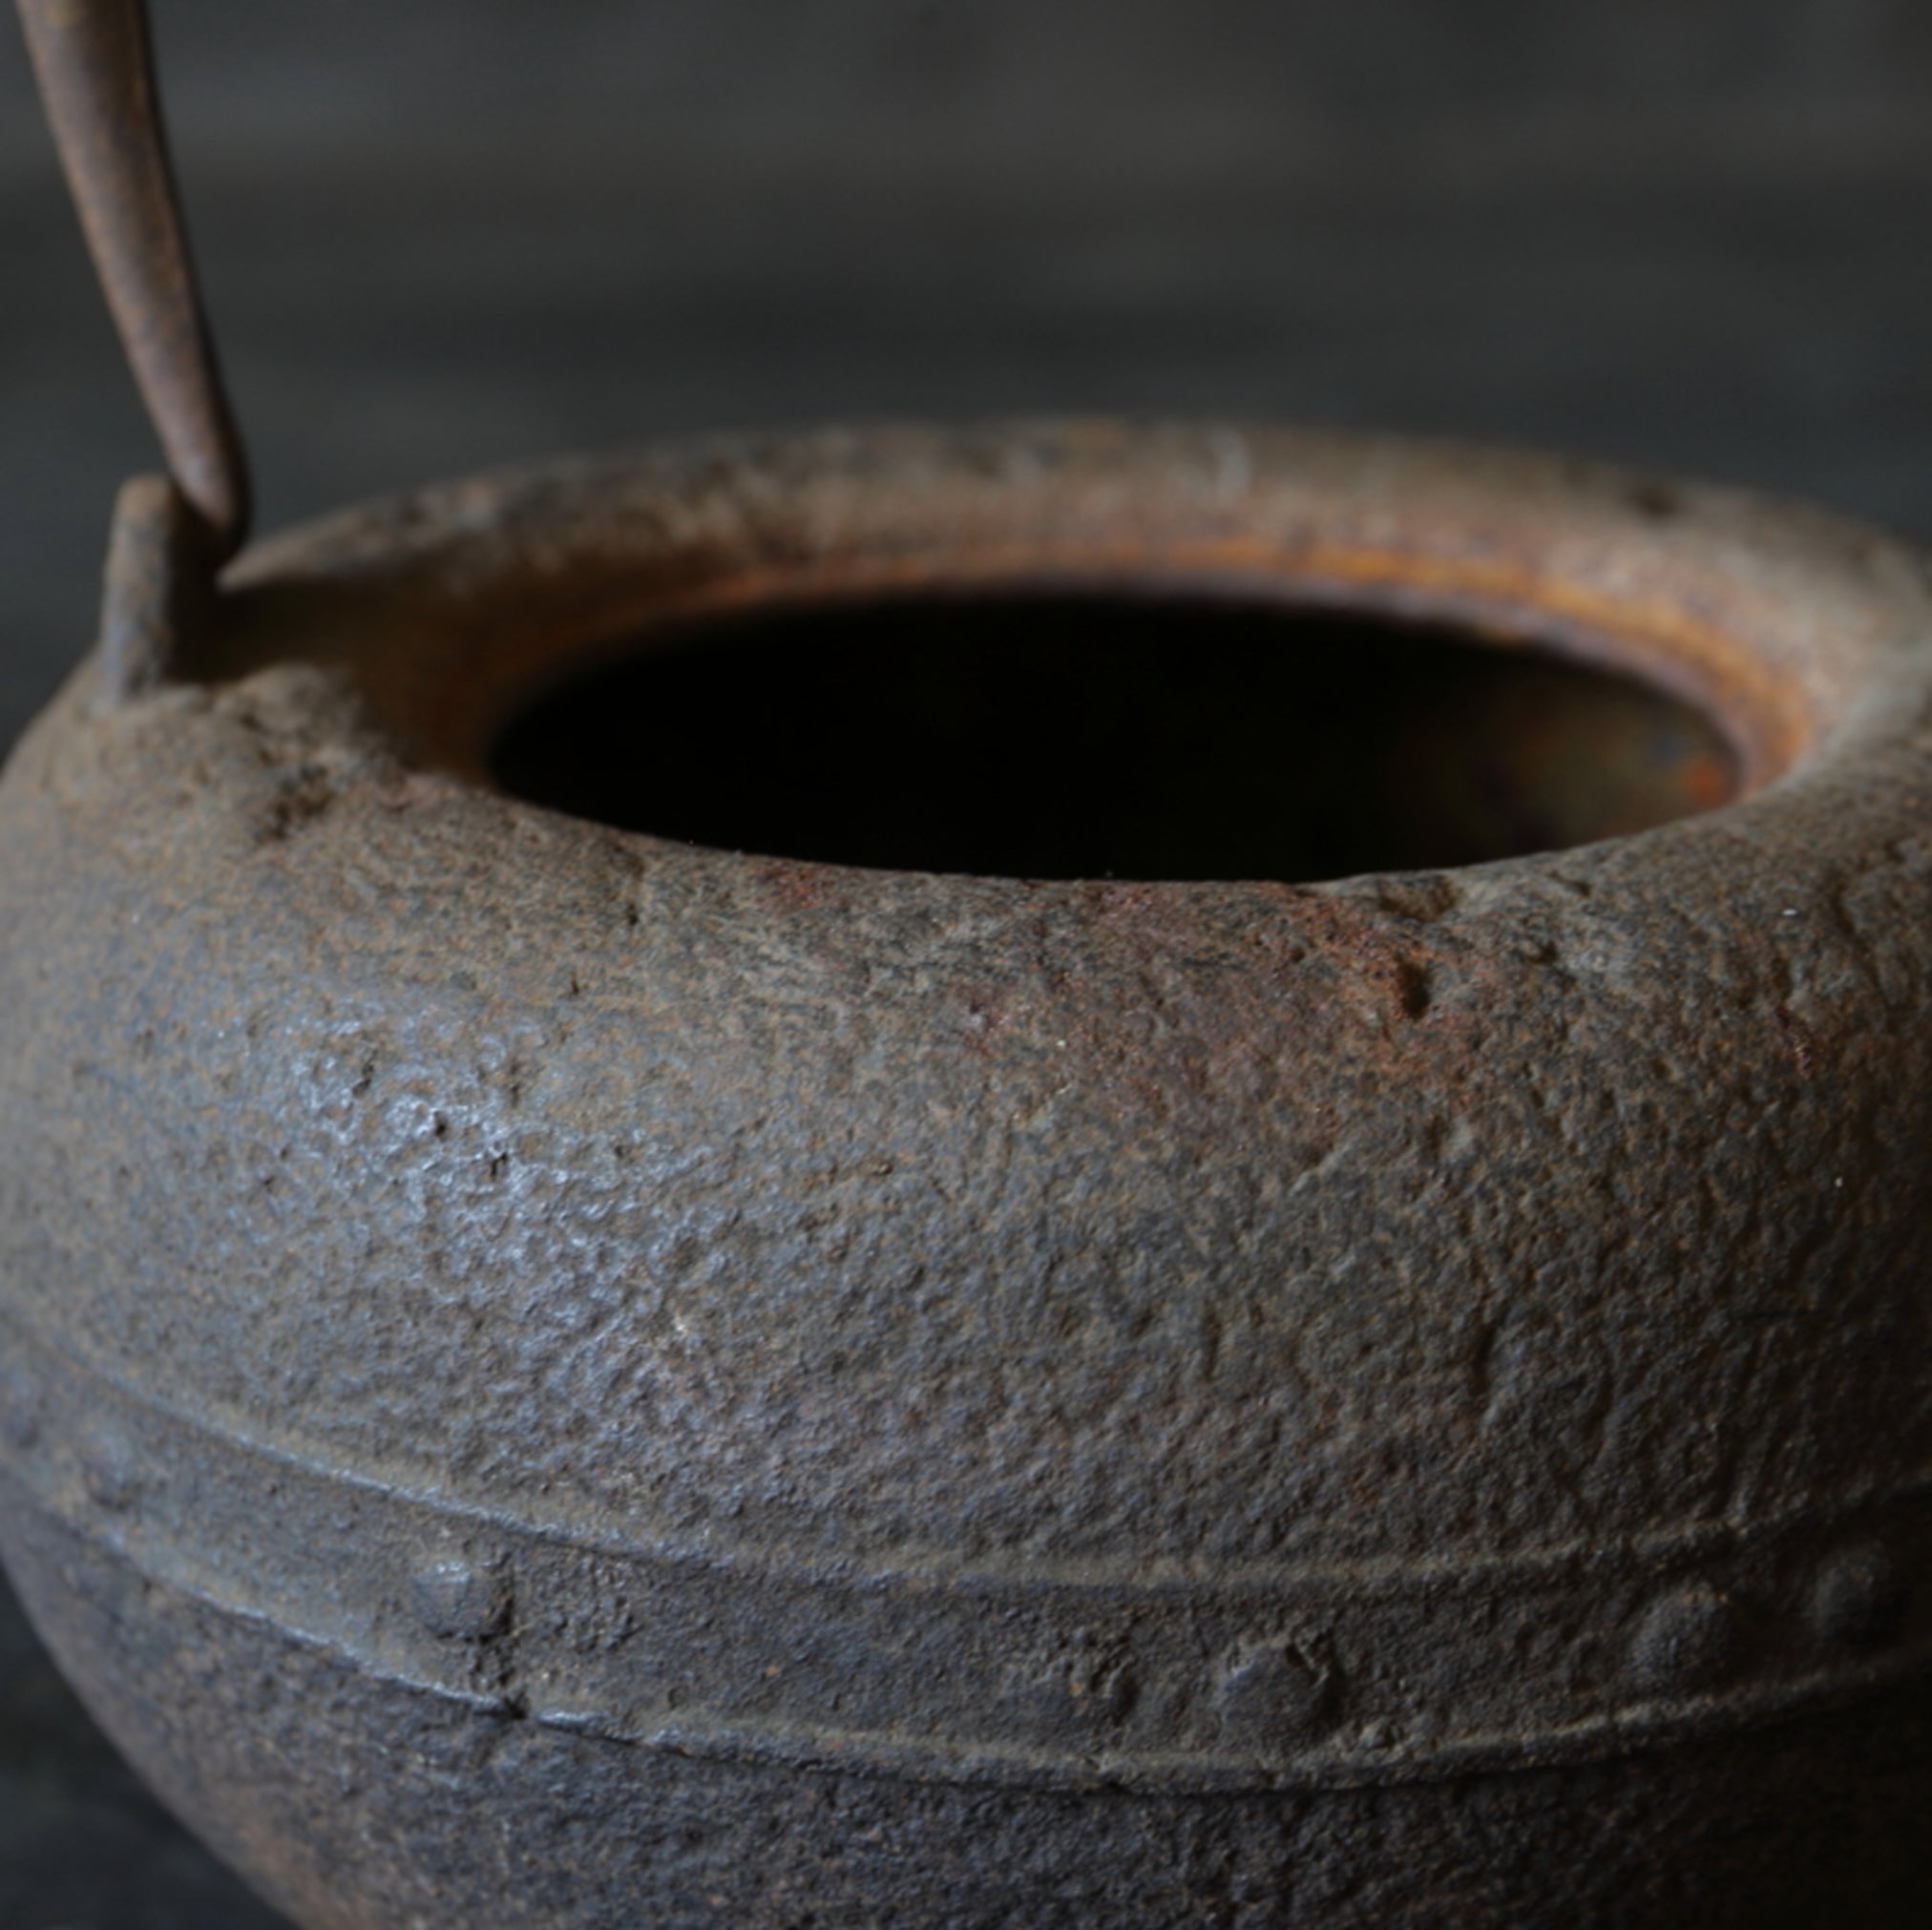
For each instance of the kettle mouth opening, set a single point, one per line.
(1076, 651)
(1145, 733)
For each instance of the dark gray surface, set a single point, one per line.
(465, 232)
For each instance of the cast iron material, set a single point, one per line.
(558, 1378)
(565, 1379)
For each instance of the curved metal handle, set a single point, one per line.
(97, 75)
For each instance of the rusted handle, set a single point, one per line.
(96, 76)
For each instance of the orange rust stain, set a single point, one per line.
(502, 659)
(795, 887)
(1800, 1041)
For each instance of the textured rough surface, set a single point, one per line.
(1688, 237)
(1147, 1386)
(358, 1803)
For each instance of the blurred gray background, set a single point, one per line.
(444, 234)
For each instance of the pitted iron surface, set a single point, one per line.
(1084, 1342)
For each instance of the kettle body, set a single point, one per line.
(559, 1375)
